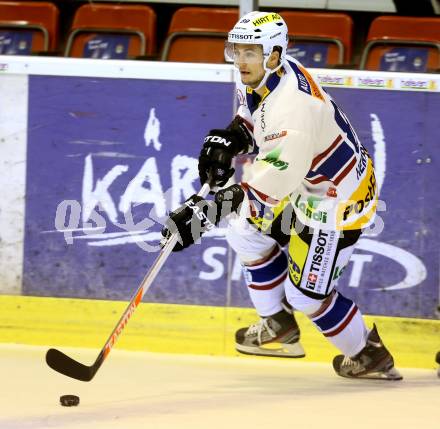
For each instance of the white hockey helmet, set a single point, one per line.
(267, 29)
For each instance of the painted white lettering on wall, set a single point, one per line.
(358, 266)
(144, 188)
(152, 130)
(184, 173)
(413, 267)
(380, 155)
(102, 209)
(98, 193)
(216, 265)
(138, 193)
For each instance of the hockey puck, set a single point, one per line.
(69, 400)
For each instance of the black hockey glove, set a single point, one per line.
(219, 149)
(197, 215)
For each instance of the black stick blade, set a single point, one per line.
(64, 364)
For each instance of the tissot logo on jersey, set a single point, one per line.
(319, 259)
(319, 251)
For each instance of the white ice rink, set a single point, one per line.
(134, 390)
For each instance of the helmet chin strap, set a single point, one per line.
(268, 72)
(263, 80)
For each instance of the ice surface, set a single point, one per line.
(134, 390)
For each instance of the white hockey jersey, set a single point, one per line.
(308, 152)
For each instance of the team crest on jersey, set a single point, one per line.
(241, 98)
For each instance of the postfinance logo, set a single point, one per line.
(357, 211)
(270, 17)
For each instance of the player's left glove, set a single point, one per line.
(220, 148)
(197, 215)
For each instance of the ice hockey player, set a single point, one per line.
(311, 187)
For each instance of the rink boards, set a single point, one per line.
(192, 329)
(97, 152)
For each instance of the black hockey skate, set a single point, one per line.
(276, 335)
(374, 361)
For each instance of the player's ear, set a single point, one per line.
(274, 59)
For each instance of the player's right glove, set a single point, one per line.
(197, 215)
(219, 149)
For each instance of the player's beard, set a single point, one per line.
(252, 82)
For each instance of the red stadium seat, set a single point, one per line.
(398, 43)
(112, 31)
(28, 27)
(319, 39)
(198, 34)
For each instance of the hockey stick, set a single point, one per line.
(64, 364)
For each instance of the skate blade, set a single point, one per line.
(391, 374)
(294, 350)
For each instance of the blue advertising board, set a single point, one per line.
(108, 158)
